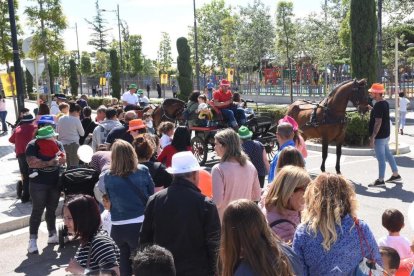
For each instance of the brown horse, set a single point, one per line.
(327, 119)
(170, 110)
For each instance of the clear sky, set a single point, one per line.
(146, 17)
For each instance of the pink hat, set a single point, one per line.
(290, 120)
(224, 82)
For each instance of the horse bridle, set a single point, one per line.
(358, 92)
(169, 118)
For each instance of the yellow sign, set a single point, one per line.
(102, 81)
(9, 89)
(164, 78)
(230, 74)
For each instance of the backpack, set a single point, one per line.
(279, 221)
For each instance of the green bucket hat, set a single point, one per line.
(245, 133)
(133, 86)
(46, 132)
(140, 91)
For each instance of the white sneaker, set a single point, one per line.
(32, 249)
(53, 239)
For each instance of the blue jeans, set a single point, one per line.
(234, 115)
(210, 94)
(3, 115)
(43, 196)
(126, 238)
(382, 153)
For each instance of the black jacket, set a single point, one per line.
(185, 222)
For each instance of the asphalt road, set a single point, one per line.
(361, 170)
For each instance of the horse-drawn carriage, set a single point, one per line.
(203, 139)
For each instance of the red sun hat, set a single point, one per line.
(377, 88)
(290, 120)
(136, 124)
(225, 83)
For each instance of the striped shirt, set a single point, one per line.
(104, 253)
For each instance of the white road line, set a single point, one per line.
(342, 164)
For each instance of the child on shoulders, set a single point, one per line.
(393, 221)
(166, 129)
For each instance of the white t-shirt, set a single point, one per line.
(403, 104)
(401, 244)
(165, 140)
(143, 99)
(106, 221)
(129, 98)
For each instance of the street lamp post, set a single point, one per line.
(120, 43)
(196, 48)
(79, 59)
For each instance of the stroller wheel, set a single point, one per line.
(62, 233)
(19, 189)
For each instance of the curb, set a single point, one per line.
(16, 223)
(403, 149)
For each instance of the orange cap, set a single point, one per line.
(377, 88)
(136, 124)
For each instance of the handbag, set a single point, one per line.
(368, 266)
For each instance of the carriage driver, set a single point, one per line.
(223, 100)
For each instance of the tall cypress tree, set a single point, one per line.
(115, 79)
(29, 81)
(363, 22)
(184, 68)
(73, 78)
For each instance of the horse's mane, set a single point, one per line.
(172, 101)
(332, 93)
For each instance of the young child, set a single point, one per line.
(166, 129)
(204, 111)
(390, 260)
(148, 122)
(106, 215)
(48, 148)
(64, 110)
(393, 221)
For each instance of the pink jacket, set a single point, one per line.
(284, 230)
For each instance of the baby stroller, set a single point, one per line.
(73, 182)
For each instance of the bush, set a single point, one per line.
(357, 130)
(184, 68)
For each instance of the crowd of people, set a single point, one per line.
(152, 216)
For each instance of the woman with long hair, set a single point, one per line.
(285, 201)
(180, 142)
(82, 219)
(144, 148)
(128, 186)
(248, 246)
(235, 177)
(331, 240)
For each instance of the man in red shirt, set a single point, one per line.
(21, 136)
(223, 100)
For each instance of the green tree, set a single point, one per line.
(47, 22)
(184, 68)
(6, 49)
(86, 66)
(100, 63)
(148, 68)
(164, 59)
(255, 38)
(363, 22)
(135, 54)
(73, 78)
(211, 20)
(285, 34)
(115, 79)
(29, 81)
(99, 31)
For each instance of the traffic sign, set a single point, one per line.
(108, 75)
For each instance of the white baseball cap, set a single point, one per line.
(183, 162)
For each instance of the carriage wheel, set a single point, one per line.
(271, 149)
(200, 149)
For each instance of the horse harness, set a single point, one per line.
(328, 120)
(167, 116)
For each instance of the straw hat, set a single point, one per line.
(225, 82)
(46, 132)
(245, 133)
(136, 124)
(183, 162)
(377, 88)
